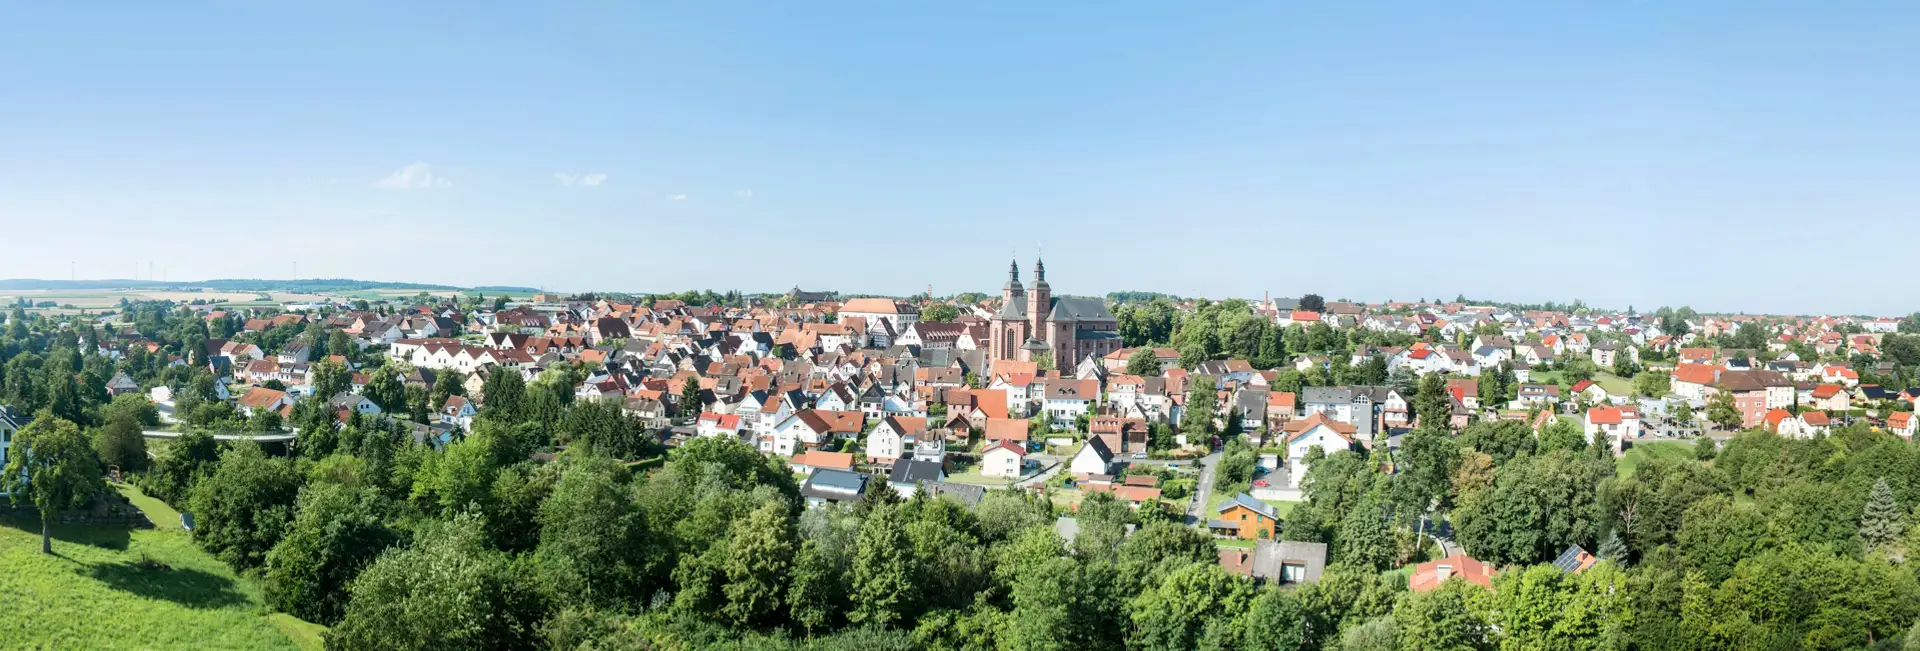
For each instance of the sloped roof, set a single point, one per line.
(1254, 505)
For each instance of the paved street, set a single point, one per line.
(1043, 475)
(1203, 490)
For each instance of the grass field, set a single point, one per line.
(1655, 450)
(1613, 384)
(99, 591)
(1216, 498)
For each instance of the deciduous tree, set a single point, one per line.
(51, 466)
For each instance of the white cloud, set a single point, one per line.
(677, 197)
(588, 179)
(745, 194)
(415, 176)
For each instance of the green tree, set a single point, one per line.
(1197, 419)
(120, 442)
(385, 389)
(1364, 537)
(1882, 523)
(884, 576)
(243, 508)
(1441, 620)
(1652, 384)
(337, 531)
(1722, 412)
(1536, 508)
(1143, 363)
(1431, 404)
(690, 404)
(51, 465)
(760, 556)
(592, 535)
(814, 594)
(446, 591)
(1174, 614)
(939, 313)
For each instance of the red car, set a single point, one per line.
(1260, 482)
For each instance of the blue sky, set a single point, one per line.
(1734, 156)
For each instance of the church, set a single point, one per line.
(1034, 321)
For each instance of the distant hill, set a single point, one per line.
(303, 285)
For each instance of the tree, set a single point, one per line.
(1882, 523)
(1043, 361)
(1722, 412)
(760, 555)
(813, 593)
(120, 442)
(242, 509)
(1313, 303)
(446, 591)
(1440, 620)
(1652, 384)
(52, 466)
(1683, 414)
(1197, 419)
(1704, 448)
(939, 313)
(385, 389)
(1364, 537)
(1144, 363)
(1431, 404)
(883, 581)
(1174, 614)
(690, 405)
(1623, 365)
(592, 536)
(337, 531)
(1536, 508)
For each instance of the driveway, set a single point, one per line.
(1045, 473)
(1203, 490)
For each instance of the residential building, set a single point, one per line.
(1003, 459)
(1246, 518)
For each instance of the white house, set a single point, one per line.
(1003, 459)
(457, 411)
(1093, 458)
(1068, 400)
(10, 422)
(889, 439)
(1314, 431)
(712, 424)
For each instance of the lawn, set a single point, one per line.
(973, 476)
(1216, 498)
(1654, 450)
(1613, 384)
(111, 588)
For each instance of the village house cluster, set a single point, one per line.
(1029, 387)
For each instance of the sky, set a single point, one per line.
(1747, 156)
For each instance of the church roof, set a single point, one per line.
(1080, 309)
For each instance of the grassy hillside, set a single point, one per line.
(1652, 450)
(99, 591)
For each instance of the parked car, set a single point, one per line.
(1260, 483)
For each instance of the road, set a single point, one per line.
(1043, 475)
(262, 438)
(1203, 490)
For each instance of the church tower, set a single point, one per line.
(1012, 291)
(1039, 303)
